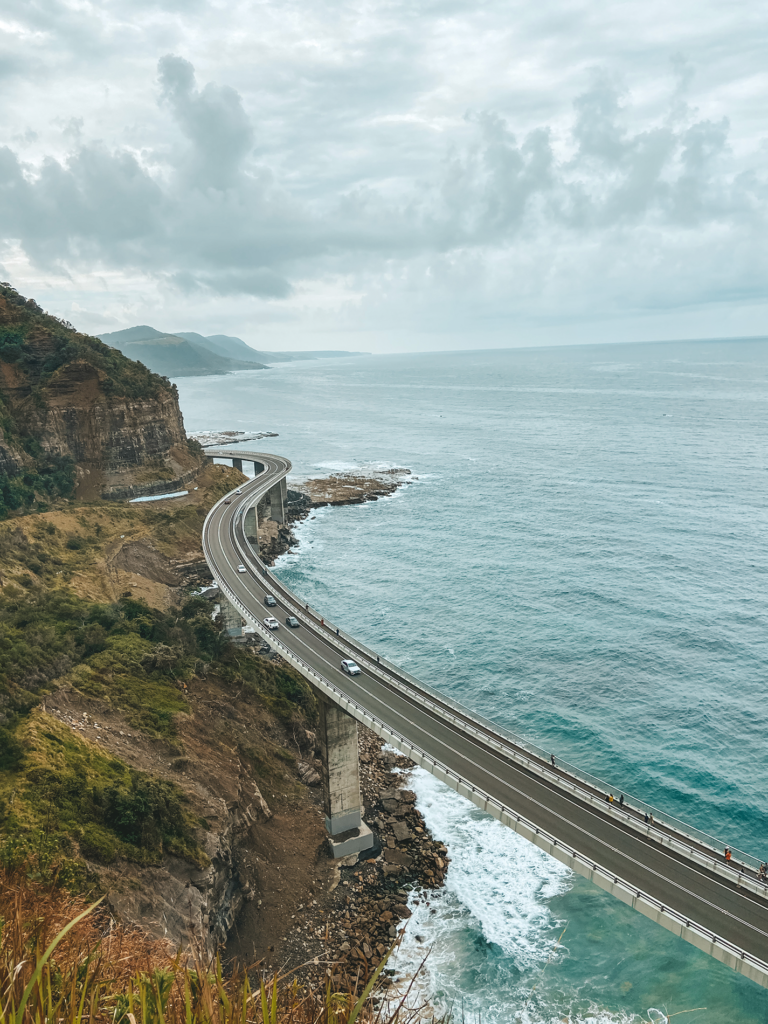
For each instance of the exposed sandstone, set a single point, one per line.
(70, 397)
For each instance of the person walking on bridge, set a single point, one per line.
(727, 855)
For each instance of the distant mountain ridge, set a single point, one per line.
(174, 356)
(188, 354)
(236, 348)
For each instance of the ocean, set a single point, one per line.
(580, 557)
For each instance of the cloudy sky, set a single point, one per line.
(387, 175)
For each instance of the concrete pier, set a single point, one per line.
(238, 464)
(233, 622)
(251, 527)
(341, 782)
(277, 496)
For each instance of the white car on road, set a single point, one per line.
(241, 568)
(350, 667)
(271, 622)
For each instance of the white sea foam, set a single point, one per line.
(496, 895)
(489, 932)
(358, 467)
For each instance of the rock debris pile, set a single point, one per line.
(346, 933)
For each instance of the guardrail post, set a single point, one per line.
(341, 781)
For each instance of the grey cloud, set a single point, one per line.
(260, 282)
(213, 119)
(96, 204)
(497, 212)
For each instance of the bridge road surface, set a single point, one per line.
(715, 908)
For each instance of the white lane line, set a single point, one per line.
(540, 783)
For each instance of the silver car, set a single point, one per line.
(350, 667)
(271, 622)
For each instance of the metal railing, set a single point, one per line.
(489, 803)
(508, 743)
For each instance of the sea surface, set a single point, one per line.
(582, 557)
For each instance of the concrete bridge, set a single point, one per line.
(671, 873)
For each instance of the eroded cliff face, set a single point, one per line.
(70, 397)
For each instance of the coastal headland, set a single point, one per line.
(131, 690)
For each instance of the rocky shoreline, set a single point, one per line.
(345, 931)
(341, 489)
(358, 906)
(354, 488)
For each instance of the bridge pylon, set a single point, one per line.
(347, 831)
(277, 498)
(231, 617)
(251, 527)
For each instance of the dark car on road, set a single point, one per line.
(292, 621)
(269, 601)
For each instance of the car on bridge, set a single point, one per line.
(293, 622)
(350, 667)
(241, 568)
(269, 601)
(271, 622)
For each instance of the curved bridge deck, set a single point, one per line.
(682, 883)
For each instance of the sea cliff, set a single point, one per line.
(79, 418)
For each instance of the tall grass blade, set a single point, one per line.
(37, 973)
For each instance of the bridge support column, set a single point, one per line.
(233, 623)
(341, 782)
(276, 502)
(238, 464)
(251, 527)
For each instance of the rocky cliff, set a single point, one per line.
(78, 417)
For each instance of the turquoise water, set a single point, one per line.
(582, 559)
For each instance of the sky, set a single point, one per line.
(388, 176)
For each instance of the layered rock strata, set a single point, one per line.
(69, 397)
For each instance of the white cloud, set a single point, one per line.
(429, 174)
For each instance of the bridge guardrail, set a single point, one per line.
(487, 800)
(488, 731)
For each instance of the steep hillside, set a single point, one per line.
(175, 356)
(79, 418)
(223, 345)
(236, 348)
(135, 738)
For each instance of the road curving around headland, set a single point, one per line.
(683, 884)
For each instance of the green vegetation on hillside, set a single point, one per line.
(136, 660)
(40, 344)
(54, 476)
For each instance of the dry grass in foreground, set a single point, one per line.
(65, 961)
